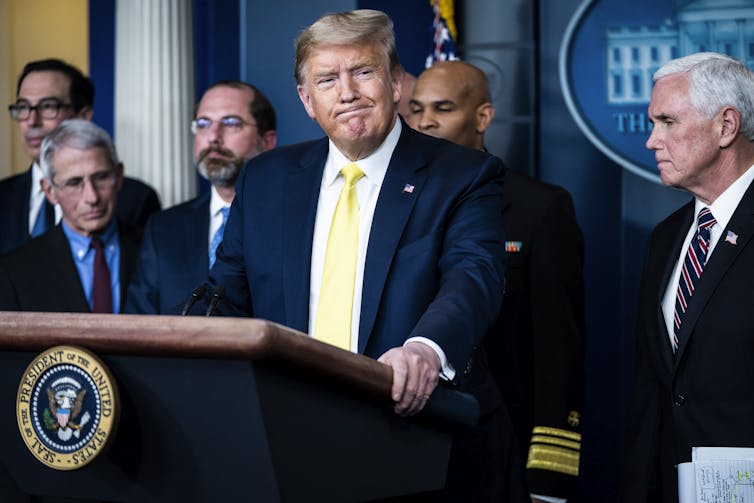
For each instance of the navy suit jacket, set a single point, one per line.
(699, 396)
(42, 276)
(435, 261)
(136, 201)
(173, 258)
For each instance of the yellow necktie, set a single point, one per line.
(333, 324)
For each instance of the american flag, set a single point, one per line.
(408, 189)
(444, 33)
(731, 238)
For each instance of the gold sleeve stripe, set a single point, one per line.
(553, 459)
(557, 432)
(541, 439)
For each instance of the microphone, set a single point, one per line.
(217, 296)
(196, 295)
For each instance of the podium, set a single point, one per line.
(224, 409)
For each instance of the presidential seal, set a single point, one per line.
(67, 407)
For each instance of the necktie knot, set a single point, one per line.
(96, 244)
(705, 220)
(352, 173)
(225, 210)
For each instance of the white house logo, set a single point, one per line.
(67, 407)
(612, 48)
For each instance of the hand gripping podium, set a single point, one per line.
(225, 409)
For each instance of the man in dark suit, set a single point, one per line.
(695, 332)
(84, 263)
(48, 92)
(377, 239)
(536, 346)
(234, 122)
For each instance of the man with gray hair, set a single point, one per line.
(84, 264)
(695, 334)
(377, 239)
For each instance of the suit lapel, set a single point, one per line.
(69, 279)
(394, 206)
(301, 192)
(198, 226)
(723, 256)
(24, 215)
(129, 253)
(674, 251)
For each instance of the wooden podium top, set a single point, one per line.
(192, 337)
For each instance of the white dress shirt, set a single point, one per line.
(216, 204)
(37, 198)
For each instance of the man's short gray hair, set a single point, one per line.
(79, 134)
(716, 81)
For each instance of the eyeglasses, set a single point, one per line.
(48, 108)
(231, 123)
(101, 181)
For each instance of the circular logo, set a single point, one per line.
(67, 407)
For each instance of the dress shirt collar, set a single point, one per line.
(726, 203)
(80, 244)
(374, 165)
(216, 203)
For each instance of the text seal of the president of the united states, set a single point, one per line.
(67, 407)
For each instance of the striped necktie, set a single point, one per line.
(693, 266)
(335, 307)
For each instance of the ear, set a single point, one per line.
(730, 126)
(47, 189)
(396, 78)
(306, 100)
(86, 113)
(484, 115)
(269, 140)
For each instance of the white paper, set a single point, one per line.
(686, 483)
(724, 481)
(717, 475)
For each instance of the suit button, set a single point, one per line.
(679, 400)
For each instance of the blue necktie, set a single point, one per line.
(217, 237)
(41, 224)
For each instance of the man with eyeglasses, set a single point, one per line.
(234, 122)
(48, 92)
(83, 264)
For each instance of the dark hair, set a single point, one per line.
(260, 107)
(81, 92)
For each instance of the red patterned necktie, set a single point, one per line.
(693, 266)
(102, 293)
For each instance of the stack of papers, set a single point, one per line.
(717, 475)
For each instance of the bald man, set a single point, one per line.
(536, 347)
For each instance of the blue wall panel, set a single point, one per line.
(102, 61)
(268, 33)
